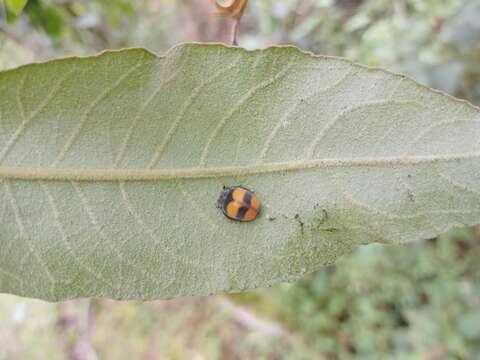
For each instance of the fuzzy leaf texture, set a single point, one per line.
(111, 167)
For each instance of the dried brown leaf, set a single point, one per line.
(233, 9)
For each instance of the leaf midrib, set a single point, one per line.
(113, 174)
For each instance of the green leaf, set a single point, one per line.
(47, 17)
(111, 166)
(16, 6)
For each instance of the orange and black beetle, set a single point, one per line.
(239, 203)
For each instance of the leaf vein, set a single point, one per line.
(142, 109)
(97, 174)
(186, 105)
(288, 113)
(24, 235)
(430, 128)
(237, 106)
(26, 121)
(84, 117)
(65, 238)
(319, 137)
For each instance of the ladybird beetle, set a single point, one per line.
(239, 203)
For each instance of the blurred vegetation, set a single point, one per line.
(434, 41)
(417, 301)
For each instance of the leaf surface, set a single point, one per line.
(111, 167)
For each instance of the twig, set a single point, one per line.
(250, 320)
(75, 326)
(235, 30)
(235, 11)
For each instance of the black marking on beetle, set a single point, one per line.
(229, 197)
(247, 198)
(225, 197)
(241, 212)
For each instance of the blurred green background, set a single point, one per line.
(417, 301)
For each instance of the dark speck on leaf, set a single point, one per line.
(411, 195)
(330, 230)
(297, 217)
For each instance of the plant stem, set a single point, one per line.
(235, 29)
